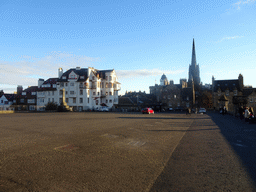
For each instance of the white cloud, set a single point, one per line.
(229, 38)
(145, 73)
(27, 69)
(238, 4)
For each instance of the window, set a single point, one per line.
(60, 100)
(33, 93)
(102, 85)
(94, 93)
(82, 77)
(175, 96)
(54, 85)
(63, 77)
(97, 102)
(106, 93)
(106, 85)
(81, 100)
(52, 92)
(52, 99)
(110, 78)
(31, 101)
(106, 101)
(235, 92)
(23, 93)
(72, 84)
(66, 92)
(98, 93)
(22, 100)
(2, 101)
(66, 84)
(110, 93)
(72, 92)
(187, 98)
(88, 100)
(66, 100)
(81, 92)
(81, 85)
(74, 100)
(60, 92)
(110, 101)
(62, 84)
(92, 77)
(6, 102)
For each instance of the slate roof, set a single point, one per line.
(80, 72)
(248, 91)
(31, 89)
(51, 81)
(83, 72)
(224, 84)
(10, 97)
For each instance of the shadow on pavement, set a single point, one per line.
(150, 117)
(242, 138)
(184, 130)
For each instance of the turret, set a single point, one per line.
(60, 72)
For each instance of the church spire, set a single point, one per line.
(193, 60)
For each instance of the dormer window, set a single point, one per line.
(82, 77)
(64, 77)
(23, 93)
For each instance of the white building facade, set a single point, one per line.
(84, 88)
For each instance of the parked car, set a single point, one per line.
(104, 109)
(147, 110)
(170, 109)
(179, 109)
(202, 110)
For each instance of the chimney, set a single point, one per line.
(40, 82)
(78, 68)
(19, 90)
(60, 72)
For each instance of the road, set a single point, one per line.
(125, 152)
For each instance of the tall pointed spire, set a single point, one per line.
(193, 60)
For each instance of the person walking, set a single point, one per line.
(246, 114)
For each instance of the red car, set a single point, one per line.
(147, 110)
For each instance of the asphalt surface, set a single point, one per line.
(126, 152)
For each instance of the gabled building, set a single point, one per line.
(6, 101)
(232, 94)
(47, 92)
(80, 89)
(26, 99)
(88, 88)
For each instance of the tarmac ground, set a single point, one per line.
(93, 151)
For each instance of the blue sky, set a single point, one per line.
(141, 40)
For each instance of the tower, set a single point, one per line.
(193, 73)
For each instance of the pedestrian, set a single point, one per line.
(246, 114)
(251, 110)
(241, 111)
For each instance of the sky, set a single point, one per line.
(140, 40)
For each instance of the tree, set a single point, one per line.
(51, 106)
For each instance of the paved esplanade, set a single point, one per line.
(124, 152)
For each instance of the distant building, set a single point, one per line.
(232, 94)
(26, 99)
(194, 72)
(6, 101)
(184, 94)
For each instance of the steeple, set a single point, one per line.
(194, 74)
(193, 60)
